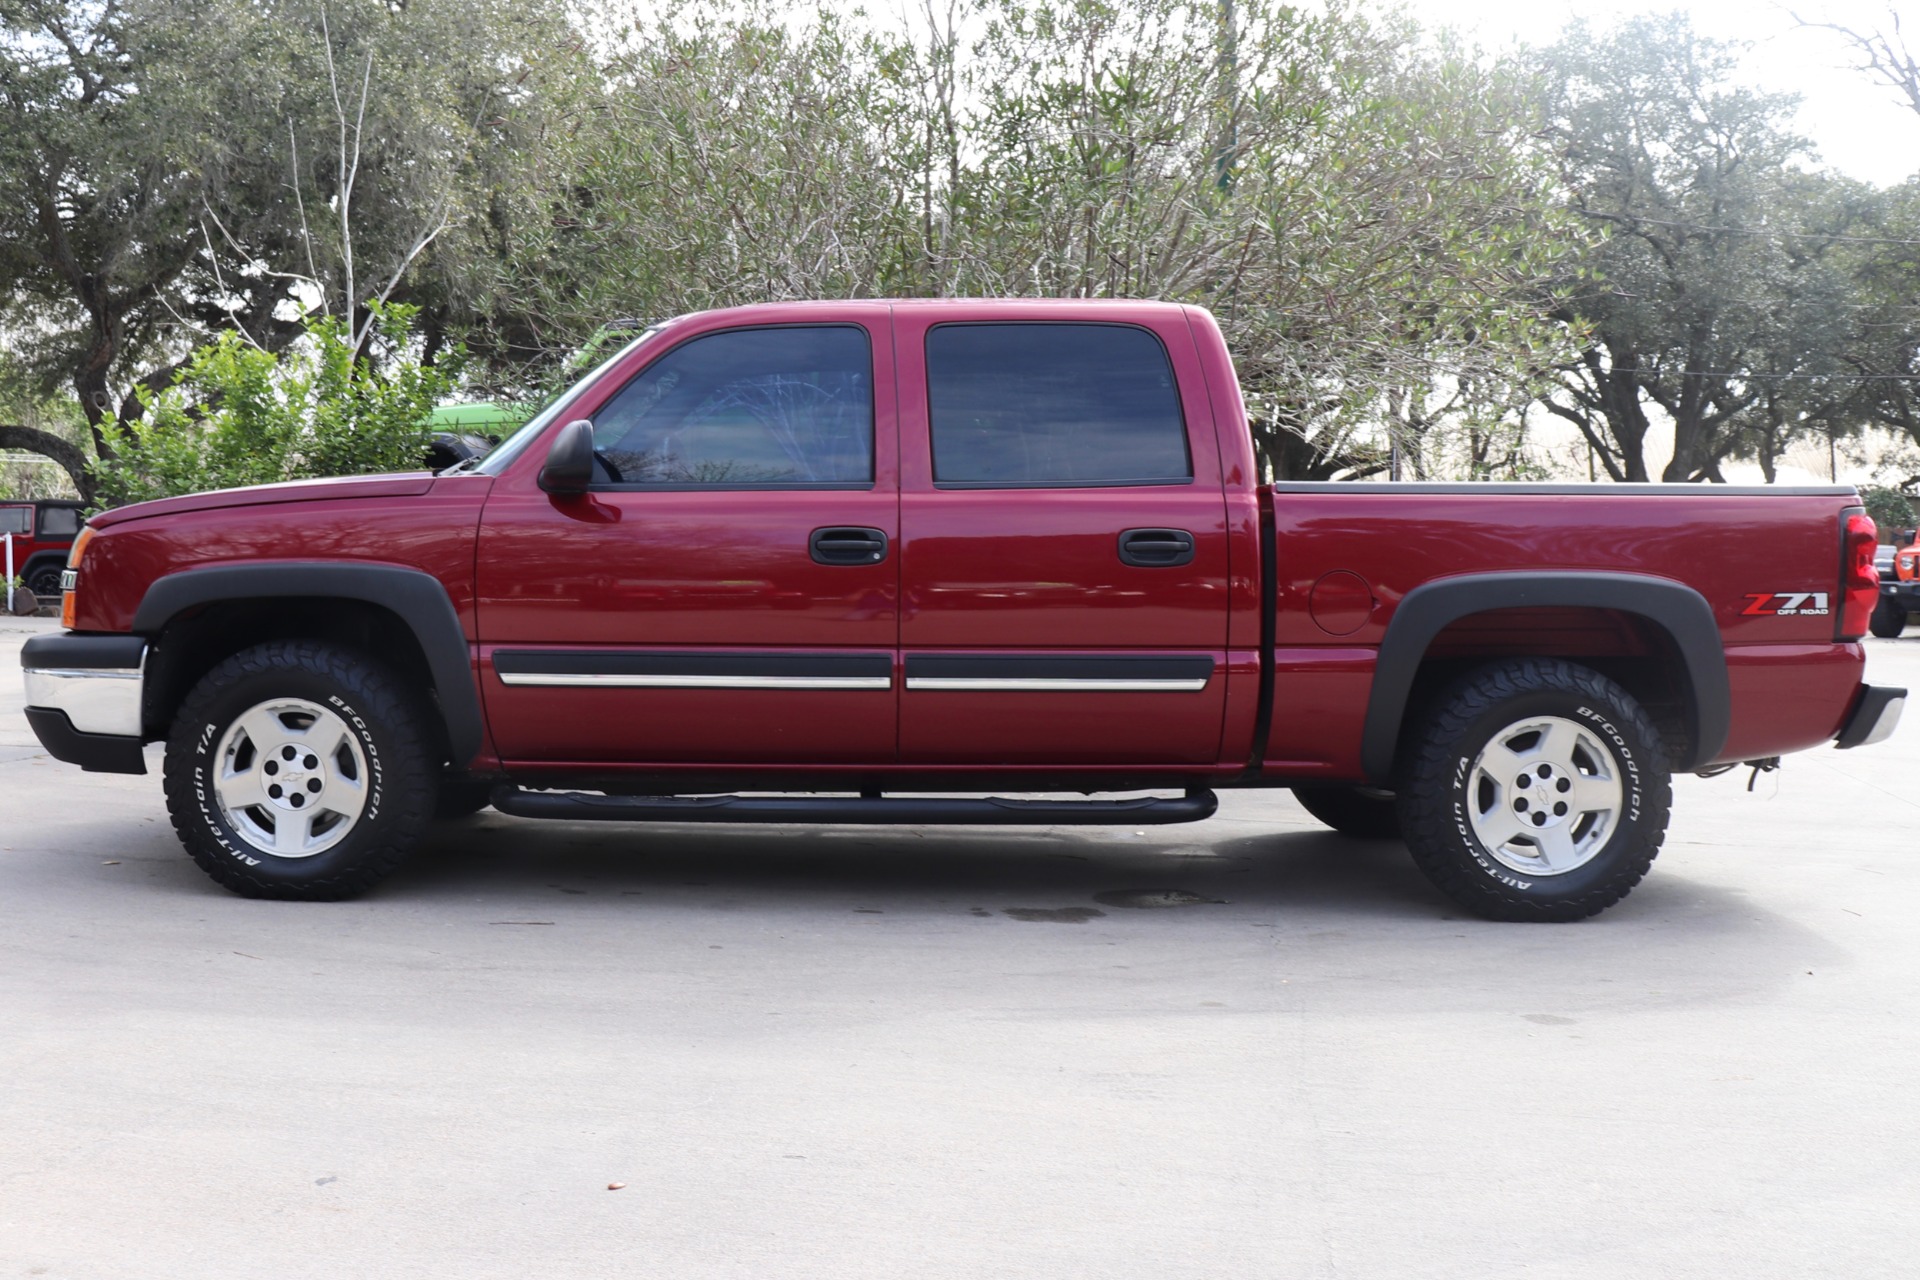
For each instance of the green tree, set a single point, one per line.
(174, 169)
(1361, 209)
(1719, 298)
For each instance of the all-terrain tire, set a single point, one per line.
(1352, 811)
(1449, 791)
(386, 742)
(1888, 619)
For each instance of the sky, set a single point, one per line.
(1859, 127)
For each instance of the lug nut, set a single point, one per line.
(1521, 804)
(313, 784)
(296, 799)
(1539, 818)
(312, 763)
(1565, 784)
(287, 753)
(272, 767)
(274, 791)
(1560, 809)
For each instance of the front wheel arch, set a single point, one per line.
(280, 591)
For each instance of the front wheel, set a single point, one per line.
(1536, 789)
(299, 770)
(1888, 619)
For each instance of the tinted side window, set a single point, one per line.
(743, 408)
(1053, 404)
(59, 522)
(14, 519)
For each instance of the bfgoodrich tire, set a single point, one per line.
(299, 770)
(1535, 789)
(1360, 812)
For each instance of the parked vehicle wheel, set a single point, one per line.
(44, 580)
(460, 798)
(1536, 789)
(1888, 619)
(299, 770)
(1365, 813)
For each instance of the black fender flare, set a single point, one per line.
(1430, 608)
(417, 598)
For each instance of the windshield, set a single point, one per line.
(516, 444)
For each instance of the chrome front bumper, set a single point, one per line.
(84, 698)
(99, 701)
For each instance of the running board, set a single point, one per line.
(578, 806)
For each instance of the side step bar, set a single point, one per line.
(577, 806)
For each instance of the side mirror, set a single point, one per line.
(569, 466)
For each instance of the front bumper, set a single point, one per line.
(84, 699)
(1875, 715)
(1904, 594)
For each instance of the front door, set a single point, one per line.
(727, 591)
(1065, 550)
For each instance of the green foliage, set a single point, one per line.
(173, 169)
(1362, 210)
(1890, 508)
(1720, 300)
(238, 415)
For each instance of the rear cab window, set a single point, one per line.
(1053, 405)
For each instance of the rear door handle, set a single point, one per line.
(1156, 548)
(847, 544)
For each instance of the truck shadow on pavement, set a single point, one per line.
(1057, 875)
(1351, 923)
(930, 869)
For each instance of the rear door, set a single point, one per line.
(1065, 547)
(727, 592)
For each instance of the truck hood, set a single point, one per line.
(402, 484)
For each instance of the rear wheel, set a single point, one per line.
(1365, 813)
(299, 770)
(1537, 789)
(1888, 619)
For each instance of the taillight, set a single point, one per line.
(1859, 581)
(70, 580)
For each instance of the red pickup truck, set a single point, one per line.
(875, 562)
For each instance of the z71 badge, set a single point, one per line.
(1785, 604)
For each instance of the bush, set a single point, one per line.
(1890, 509)
(238, 415)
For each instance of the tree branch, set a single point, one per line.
(48, 445)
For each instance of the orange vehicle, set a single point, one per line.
(1899, 589)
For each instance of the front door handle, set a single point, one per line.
(847, 544)
(1156, 548)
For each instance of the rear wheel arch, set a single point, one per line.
(199, 617)
(1677, 617)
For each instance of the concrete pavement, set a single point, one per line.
(898, 1053)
